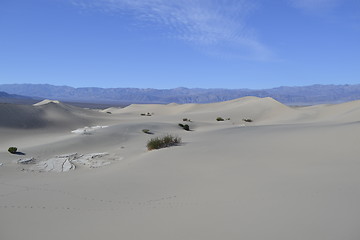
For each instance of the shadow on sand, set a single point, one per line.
(20, 153)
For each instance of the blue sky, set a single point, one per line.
(180, 43)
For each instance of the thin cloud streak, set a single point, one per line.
(315, 5)
(208, 24)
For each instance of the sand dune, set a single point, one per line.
(251, 107)
(46, 114)
(291, 173)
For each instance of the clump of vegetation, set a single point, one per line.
(108, 112)
(146, 114)
(184, 126)
(219, 119)
(247, 120)
(147, 131)
(12, 150)
(163, 142)
(186, 120)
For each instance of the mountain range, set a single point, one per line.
(304, 95)
(13, 98)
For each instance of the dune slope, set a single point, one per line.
(45, 114)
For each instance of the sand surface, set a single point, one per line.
(291, 173)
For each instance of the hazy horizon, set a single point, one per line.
(179, 87)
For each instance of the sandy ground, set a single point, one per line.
(292, 173)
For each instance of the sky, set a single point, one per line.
(164, 44)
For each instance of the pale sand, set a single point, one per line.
(293, 173)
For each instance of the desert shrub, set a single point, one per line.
(170, 140)
(108, 112)
(184, 126)
(219, 119)
(163, 142)
(12, 150)
(147, 131)
(142, 114)
(155, 143)
(247, 120)
(186, 120)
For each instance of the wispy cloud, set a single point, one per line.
(315, 5)
(219, 26)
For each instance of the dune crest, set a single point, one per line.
(46, 101)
